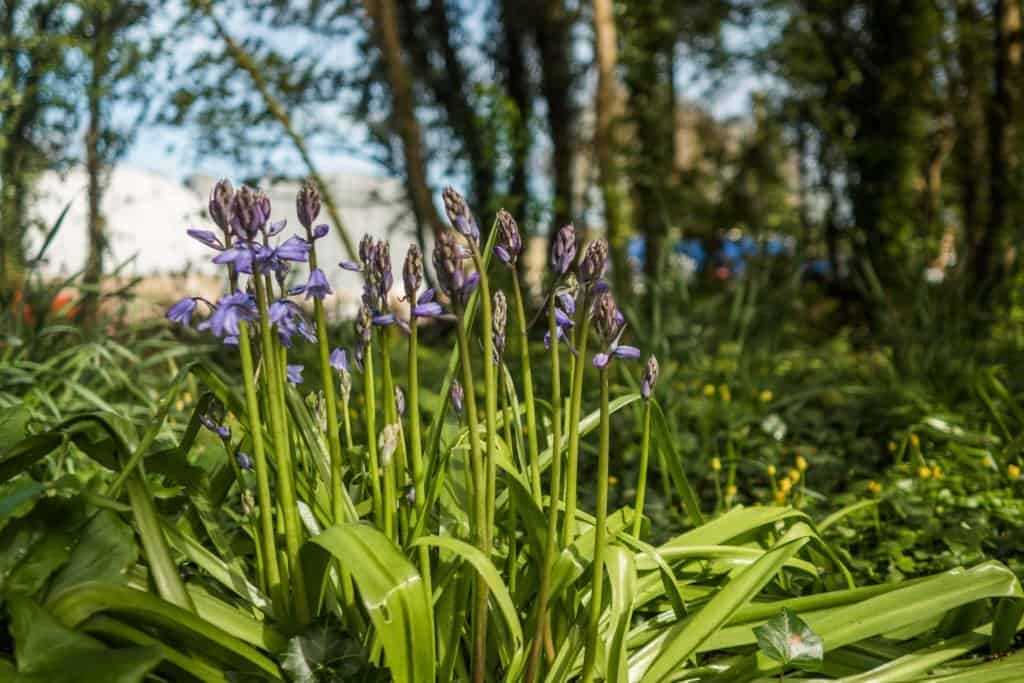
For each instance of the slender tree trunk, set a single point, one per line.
(969, 150)
(385, 30)
(246, 64)
(93, 274)
(553, 33)
(517, 84)
(1002, 129)
(608, 113)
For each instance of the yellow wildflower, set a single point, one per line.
(936, 472)
(801, 463)
(724, 392)
(1012, 471)
(766, 396)
(780, 497)
(892, 446)
(771, 471)
(874, 487)
(613, 480)
(915, 441)
(709, 390)
(785, 485)
(730, 490)
(794, 475)
(924, 472)
(716, 465)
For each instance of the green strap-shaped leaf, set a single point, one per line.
(657, 660)
(621, 569)
(516, 655)
(391, 590)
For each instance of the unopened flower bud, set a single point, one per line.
(650, 378)
(412, 272)
(458, 396)
(594, 262)
(499, 321)
(510, 242)
(220, 204)
(307, 203)
(250, 210)
(563, 250)
(459, 214)
(400, 401)
(388, 443)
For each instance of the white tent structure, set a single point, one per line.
(147, 215)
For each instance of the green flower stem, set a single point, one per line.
(271, 572)
(479, 503)
(393, 466)
(279, 429)
(490, 393)
(533, 664)
(416, 449)
(380, 515)
(531, 411)
(600, 536)
(575, 405)
(641, 482)
(333, 437)
(513, 556)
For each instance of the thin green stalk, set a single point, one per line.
(513, 553)
(286, 485)
(416, 449)
(600, 536)
(641, 483)
(390, 417)
(380, 515)
(490, 391)
(531, 410)
(575, 406)
(533, 665)
(272, 574)
(479, 503)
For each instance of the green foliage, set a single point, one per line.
(790, 641)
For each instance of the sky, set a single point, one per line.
(172, 153)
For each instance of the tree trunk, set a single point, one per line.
(1002, 129)
(385, 29)
(553, 33)
(606, 141)
(969, 150)
(517, 84)
(93, 274)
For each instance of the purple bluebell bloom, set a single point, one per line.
(250, 211)
(293, 249)
(452, 280)
(320, 231)
(317, 285)
(426, 307)
(244, 461)
(277, 227)
(610, 324)
(215, 426)
(288, 318)
(182, 311)
(412, 272)
(351, 266)
(206, 237)
(294, 373)
(229, 311)
(240, 256)
(339, 360)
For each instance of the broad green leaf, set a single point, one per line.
(392, 592)
(788, 639)
(48, 652)
(103, 551)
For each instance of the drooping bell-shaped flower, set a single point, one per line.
(610, 324)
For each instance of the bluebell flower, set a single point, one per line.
(182, 311)
(510, 241)
(229, 311)
(459, 214)
(287, 317)
(294, 373)
(307, 203)
(244, 461)
(293, 249)
(214, 426)
(250, 211)
(610, 324)
(240, 256)
(317, 285)
(339, 360)
(206, 237)
(320, 231)
(426, 307)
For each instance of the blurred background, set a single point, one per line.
(813, 207)
(870, 145)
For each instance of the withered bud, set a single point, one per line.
(650, 378)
